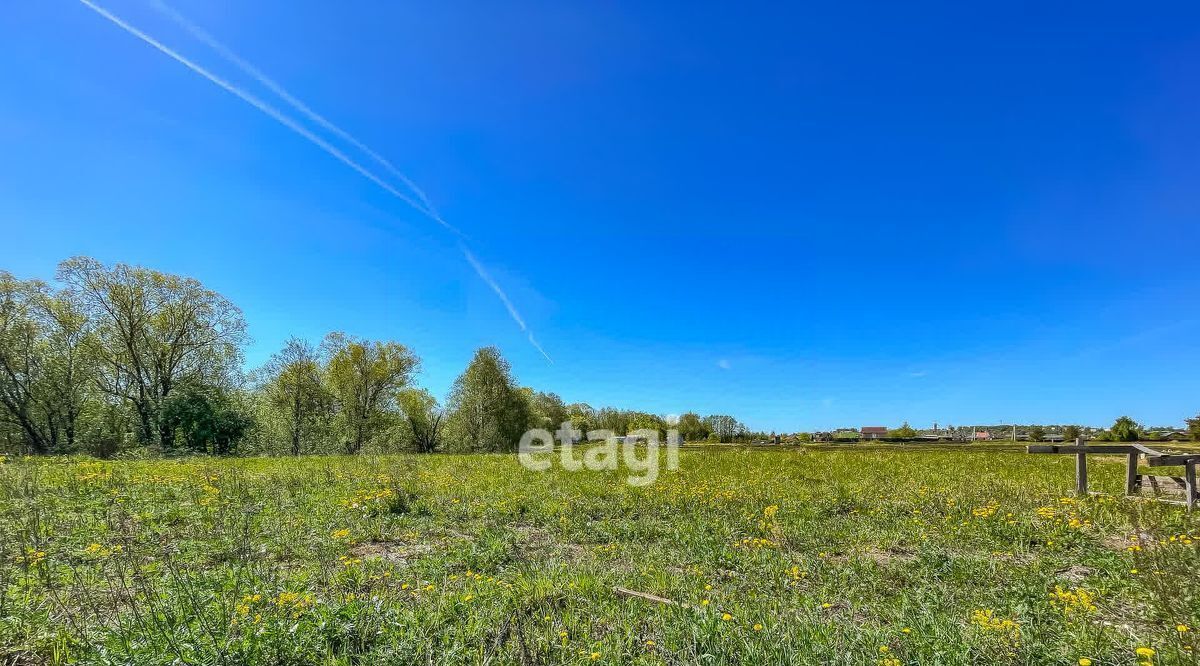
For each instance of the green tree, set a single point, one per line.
(487, 410)
(154, 331)
(364, 378)
(205, 418)
(1037, 433)
(294, 388)
(691, 427)
(1071, 433)
(1125, 429)
(1193, 426)
(611, 418)
(903, 432)
(725, 427)
(45, 371)
(646, 421)
(21, 371)
(582, 417)
(425, 419)
(548, 410)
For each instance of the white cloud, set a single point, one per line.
(724, 364)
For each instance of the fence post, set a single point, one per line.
(1080, 470)
(1189, 484)
(1131, 473)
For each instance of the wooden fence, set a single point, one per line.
(1165, 488)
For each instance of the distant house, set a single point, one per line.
(874, 432)
(1052, 437)
(983, 434)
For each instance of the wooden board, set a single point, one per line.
(1172, 459)
(1161, 485)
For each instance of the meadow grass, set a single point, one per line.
(835, 555)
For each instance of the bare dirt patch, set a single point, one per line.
(537, 542)
(396, 552)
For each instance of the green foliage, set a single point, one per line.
(364, 377)
(725, 427)
(152, 332)
(1125, 429)
(547, 410)
(424, 417)
(582, 417)
(204, 418)
(1037, 433)
(1071, 433)
(645, 421)
(1193, 425)
(294, 390)
(488, 412)
(45, 367)
(691, 427)
(903, 432)
(94, 366)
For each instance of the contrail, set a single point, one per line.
(260, 105)
(327, 147)
(257, 74)
(512, 311)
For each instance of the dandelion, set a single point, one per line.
(33, 556)
(1144, 653)
(649, 643)
(758, 627)
(595, 656)
(1084, 661)
(987, 620)
(704, 602)
(906, 630)
(726, 617)
(1182, 628)
(1072, 603)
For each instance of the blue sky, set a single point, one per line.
(827, 215)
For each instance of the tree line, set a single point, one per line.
(127, 359)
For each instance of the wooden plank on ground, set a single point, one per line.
(1168, 485)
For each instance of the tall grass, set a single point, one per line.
(850, 556)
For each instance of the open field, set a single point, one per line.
(854, 555)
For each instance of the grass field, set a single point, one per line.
(853, 555)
